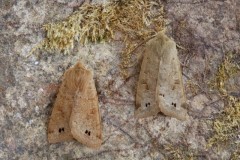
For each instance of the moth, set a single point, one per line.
(75, 114)
(160, 86)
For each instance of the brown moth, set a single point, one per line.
(77, 90)
(160, 86)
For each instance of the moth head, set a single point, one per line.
(76, 78)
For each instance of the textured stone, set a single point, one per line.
(206, 29)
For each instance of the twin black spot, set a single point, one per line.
(147, 104)
(61, 130)
(88, 132)
(174, 104)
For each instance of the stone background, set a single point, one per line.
(207, 29)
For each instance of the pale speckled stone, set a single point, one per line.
(28, 86)
(199, 101)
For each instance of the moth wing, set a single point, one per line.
(58, 128)
(147, 83)
(170, 91)
(85, 121)
(74, 79)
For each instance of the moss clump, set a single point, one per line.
(179, 152)
(91, 23)
(226, 126)
(135, 20)
(227, 69)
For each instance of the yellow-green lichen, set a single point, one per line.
(179, 152)
(226, 70)
(226, 127)
(91, 23)
(135, 20)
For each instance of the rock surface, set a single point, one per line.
(206, 29)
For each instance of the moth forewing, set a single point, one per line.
(85, 120)
(146, 87)
(170, 82)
